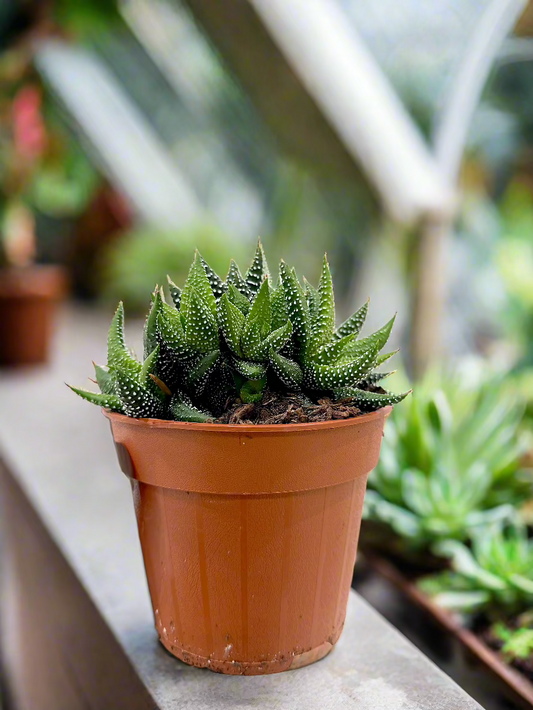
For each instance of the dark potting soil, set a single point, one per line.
(282, 408)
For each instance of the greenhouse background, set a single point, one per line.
(397, 137)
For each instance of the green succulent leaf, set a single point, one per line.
(354, 323)
(138, 401)
(278, 338)
(108, 401)
(288, 371)
(201, 328)
(235, 278)
(370, 401)
(377, 340)
(238, 300)
(249, 370)
(170, 329)
(331, 353)
(324, 321)
(258, 270)
(345, 374)
(217, 285)
(150, 326)
(231, 322)
(104, 379)
(252, 391)
(278, 305)
(198, 284)
(175, 292)
(312, 297)
(118, 354)
(149, 366)
(386, 356)
(199, 375)
(261, 311)
(183, 410)
(297, 307)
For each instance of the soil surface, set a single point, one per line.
(278, 408)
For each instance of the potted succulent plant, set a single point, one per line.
(248, 432)
(28, 293)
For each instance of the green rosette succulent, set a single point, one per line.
(217, 339)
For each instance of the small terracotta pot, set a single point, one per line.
(28, 303)
(249, 534)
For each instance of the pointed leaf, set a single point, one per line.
(108, 401)
(278, 305)
(198, 283)
(150, 326)
(175, 292)
(261, 311)
(201, 328)
(345, 374)
(170, 329)
(149, 365)
(324, 321)
(231, 322)
(383, 358)
(376, 377)
(288, 371)
(329, 354)
(250, 370)
(235, 277)
(104, 379)
(118, 354)
(311, 295)
(277, 339)
(370, 401)
(377, 340)
(199, 375)
(217, 285)
(138, 401)
(238, 300)
(258, 270)
(251, 341)
(354, 322)
(183, 410)
(297, 307)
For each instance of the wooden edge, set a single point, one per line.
(514, 680)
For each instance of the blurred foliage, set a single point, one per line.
(515, 261)
(85, 17)
(494, 576)
(450, 460)
(517, 643)
(139, 259)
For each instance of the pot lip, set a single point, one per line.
(115, 417)
(36, 281)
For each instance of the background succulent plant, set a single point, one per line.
(495, 575)
(218, 339)
(450, 461)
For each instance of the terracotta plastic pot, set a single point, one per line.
(28, 303)
(249, 534)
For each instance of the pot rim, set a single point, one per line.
(247, 428)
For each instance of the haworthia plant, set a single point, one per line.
(218, 339)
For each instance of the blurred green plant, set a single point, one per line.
(494, 576)
(517, 642)
(450, 461)
(138, 259)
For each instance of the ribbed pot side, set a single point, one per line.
(249, 534)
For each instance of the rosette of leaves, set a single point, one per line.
(494, 576)
(221, 339)
(328, 359)
(450, 463)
